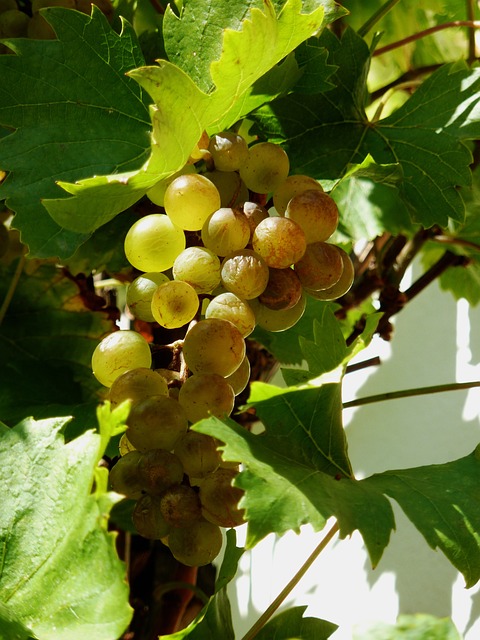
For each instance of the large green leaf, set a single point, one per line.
(46, 342)
(61, 575)
(291, 625)
(297, 472)
(182, 111)
(425, 136)
(75, 114)
(442, 502)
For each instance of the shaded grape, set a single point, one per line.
(125, 477)
(272, 320)
(180, 505)
(283, 290)
(219, 499)
(316, 212)
(279, 241)
(137, 384)
(229, 151)
(206, 394)
(240, 378)
(140, 293)
(343, 285)
(196, 545)
(265, 168)
(320, 267)
(156, 423)
(231, 187)
(158, 470)
(198, 453)
(245, 274)
(292, 186)
(148, 519)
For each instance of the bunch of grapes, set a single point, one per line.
(214, 262)
(26, 21)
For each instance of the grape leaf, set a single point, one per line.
(291, 624)
(75, 114)
(60, 571)
(10, 627)
(182, 111)
(46, 342)
(215, 619)
(442, 502)
(297, 471)
(427, 143)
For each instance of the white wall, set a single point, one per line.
(436, 341)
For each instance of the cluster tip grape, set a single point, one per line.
(214, 264)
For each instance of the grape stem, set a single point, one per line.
(268, 613)
(408, 393)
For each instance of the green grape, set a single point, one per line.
(283, 290)
(226, 231)
(343, 285)
(245, 273)
(266, 167)
(274, 321)
(228, 306)
(153, 242)
(320, 267)
(180, 505)
(156, 194)
(240, 378)
(4, 240)
(13, 24)
(125, 446)
(198, 266)
(197, 544)
(125, 476)
(190, 199)
(198, 453)
(206, 394)
(148, 520)
(174, 304)
(281, 242)
(140, 293)
(231, 187)
(159, 469)
(254, 213)
(39, 29)
(316, 212)
(219, 499)
(117, 353)
(155, 423)
(137, 384)
(229, 151)
(214, 346)
(292, 186)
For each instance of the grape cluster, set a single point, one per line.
(17, 23)
(217, 263)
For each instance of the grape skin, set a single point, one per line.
(245, 274)
(292, 186)
(159, 469)
(137, 384)
(180, 505)
(283, 290)
(343, 285)
(316, 212)
(214, 346)
(119, 352)
(174, 304)
(274, 321)
(157, 193)
(153, 242)
(148, 519)
(206, 394)
(240, 378)
(320, 267)
(198, 453)
(219, 499)
(140, 292)
(266, 167)
(190, 199)
(279, 241)
(198, 266)
(225, 231)
(155, 423)
(228, 306)
(196, 545)
(229, 151)
(125, 476)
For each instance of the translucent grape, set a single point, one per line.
(245, 273)
(283, 290)
(180, 505)
(214, 346)
(153, 242)
(174, 304)
(140, 292)
(281, 242)
(271, 320)
(119, 352)
(228, 306)
(343, 285)
(225, 231)
(198, 266)
(159, 469)
(219, 499)
(229, 151)
(198, 453)
(137, 384)
(233, 191)
(155, 423)
(157, 193)
(266, 167)
(148, 519)
(240, 378)
(316, 212)
(125, 476)
(292, 186)
(320, 267)
(206, 394)
(196, 545)
(190, 199)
